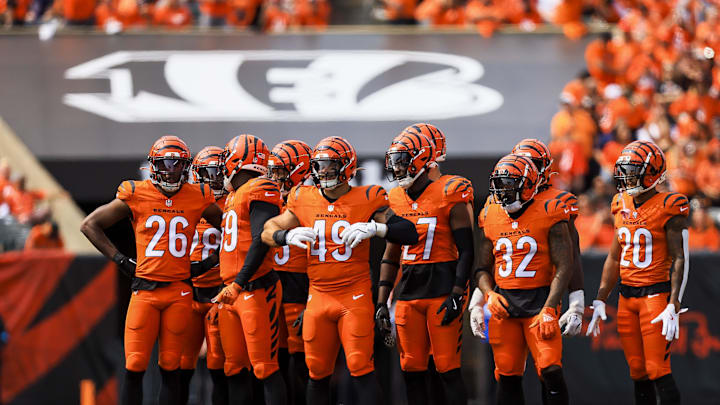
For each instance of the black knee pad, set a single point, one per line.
(667, 390)
(509, 390)
(556, 391)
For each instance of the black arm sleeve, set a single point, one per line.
(260, 212)
(201, 267)
(401, 231)
(466, 255)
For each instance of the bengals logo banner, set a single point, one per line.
(60, 313)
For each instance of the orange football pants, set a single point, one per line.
(331, 319)
(510, 340)
(420, 333)
(198, 329)
(646, 350)
(249, 331)
(289, 337)
(160, 314)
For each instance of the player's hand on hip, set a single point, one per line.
(477, 313)
(598, 308)
(383, 324)
(547, 323)
(497, 305)
(571, 320)
(359, 231)
(228, 295)
(670, 322)
(300, 237)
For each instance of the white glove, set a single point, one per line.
(671, 322)
(598, 313)
(359, 231)
(477, 313)
(300, 236)
(571, 320)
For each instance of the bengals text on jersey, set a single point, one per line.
(339, 307)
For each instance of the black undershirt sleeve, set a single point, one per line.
(260, 212)
(401, 231)
(466, 255)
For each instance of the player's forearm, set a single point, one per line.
(562, 257)
(260, 214)
(558, 286)
(611, 270)
(484, 281)
(466, 256)
(577, 279)
(96, 235)
(676, 280)
(269, 230)
(388, 271)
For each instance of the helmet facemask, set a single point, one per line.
(327, 173)
(507, 189)
(169, 172)
(213, 177)
(281, 175)
(630, 176)
(397, 164)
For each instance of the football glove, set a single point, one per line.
(300, 236)
(670, 322)
(299, 323)
(571, 320)
(453, 307)
(228, 295)
(359, 231)
(497, 305)
(547, 323)
(477, 314)
(212, 315)
(382, 322)
(125, 264)
(598, 308)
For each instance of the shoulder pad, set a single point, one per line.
(458, 189)
(676, 204)
(375, 191)
(125, 190)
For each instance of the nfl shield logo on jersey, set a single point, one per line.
(168, 203)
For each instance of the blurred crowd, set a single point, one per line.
(655, 77)
(25, 218)
(116, 15)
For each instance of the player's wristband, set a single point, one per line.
(390, 262)
(280, 237)
(386, 283)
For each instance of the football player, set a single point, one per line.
(202, 324)
(435, 270)
(438, 139)
(334, 222)
(539, 153)
(249, 319)
(289, 166)
(523, 269)
(164, 212)
(650, 255)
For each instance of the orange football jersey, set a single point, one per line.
(236, 227)
(521, 246)
(330, 264)
(553, 193)
(164, 226)
(644, 258)
(207, 239)
(431, 215)
(290, 258)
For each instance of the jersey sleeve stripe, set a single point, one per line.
(132, 186)
(202, 189)
(683, 200)
(557, 204)
(667, 197)
(367, 192)
(379, 191)
(561, 195)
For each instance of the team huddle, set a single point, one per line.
(264, 255)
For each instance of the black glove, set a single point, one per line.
(299, 322)
(125, 264)
(453, 307)
(382, 322)
(201, 267)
